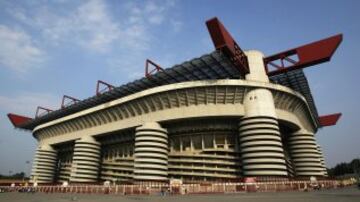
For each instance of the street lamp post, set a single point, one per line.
(26, 169)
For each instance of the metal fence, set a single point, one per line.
(179, 189)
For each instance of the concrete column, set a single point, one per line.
(322, 161)
(151, 153)
(44, 165)
(202, 142)
(305, 155)
(260, 142)
(86, 161)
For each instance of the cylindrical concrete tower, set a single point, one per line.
(262, 153)
(322, 161)
(44, 165)
(305, 155)
(151, 153)
(86, 158)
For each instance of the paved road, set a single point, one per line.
(337, 195)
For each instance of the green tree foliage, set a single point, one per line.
(20, 175)
(355, 164)
(345, 168)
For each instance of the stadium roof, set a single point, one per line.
(211, 66)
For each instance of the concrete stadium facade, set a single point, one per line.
(205, 130)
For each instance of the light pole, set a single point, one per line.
(26, 169)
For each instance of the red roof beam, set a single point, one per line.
(308, 55)
(41, 111)
(99, 84)
(18, 120)
(224, 42)
(67, 101)
(329, 120)
(156, 68)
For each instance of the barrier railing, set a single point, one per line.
(179, 189)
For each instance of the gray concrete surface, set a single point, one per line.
(338, 195)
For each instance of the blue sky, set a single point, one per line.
(52, 48)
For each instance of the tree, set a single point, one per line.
(20, 175)
(355, 165)
(345, 168)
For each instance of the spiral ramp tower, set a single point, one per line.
(305, 154)
(86, 161)
(151, 153)
(322, 161)
(43, 170)
(261, 147)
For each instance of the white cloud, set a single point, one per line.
(18, 51)
(151, 12)
(26, 103)
(142, 19)
(91, 25)
(93, 20)
(157, 13)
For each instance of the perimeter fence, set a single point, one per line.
(180, 189)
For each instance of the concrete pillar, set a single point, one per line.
(151, 153)
(322, 161)
(86, 161)
(44, 166)
(260, 142)
(304, 153)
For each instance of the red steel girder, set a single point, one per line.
(18, 120)
(329, 120)
(224, 42)
(149, 72)
(99, 90)
(307, 55)
(40, 111)
(72, 100)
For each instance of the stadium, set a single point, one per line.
(223, 116)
